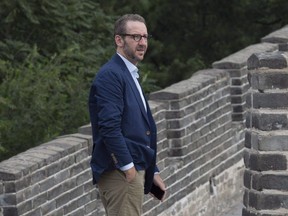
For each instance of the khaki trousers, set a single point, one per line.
(119, 197)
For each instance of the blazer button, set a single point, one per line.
(147, 133)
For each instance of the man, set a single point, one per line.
(124, 133)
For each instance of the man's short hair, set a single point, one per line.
(120, 24)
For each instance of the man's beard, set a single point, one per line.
(131, 55)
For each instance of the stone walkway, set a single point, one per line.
(235, 210)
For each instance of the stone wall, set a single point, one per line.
(266, 174)
(201, 131)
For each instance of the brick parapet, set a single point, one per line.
(278, 37)
(236, 66)
(52, 178)
(202, 140)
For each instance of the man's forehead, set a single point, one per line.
(136, 25)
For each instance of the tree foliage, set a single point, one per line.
(51, 49)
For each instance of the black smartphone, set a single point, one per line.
(157, 191)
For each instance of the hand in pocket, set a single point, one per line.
(130, 174)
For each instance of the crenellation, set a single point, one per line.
(265, 140)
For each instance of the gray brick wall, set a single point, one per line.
(236, 66)
(203, 145)
(51, 179)
(265, 177)
(201, 133)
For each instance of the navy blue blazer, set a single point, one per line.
(123, 132)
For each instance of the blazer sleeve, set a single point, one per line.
(107, 90)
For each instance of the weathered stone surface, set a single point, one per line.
(266, 174)
(239, 59)
(268, 79)
(279, 36)
(283, 47)
(267, 120)
(267, 100)
(272, 60)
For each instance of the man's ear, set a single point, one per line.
(119, 40)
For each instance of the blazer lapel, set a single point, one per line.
(131, 82)
(137, 96)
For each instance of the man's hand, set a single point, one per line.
(130, 174)
(159, 182)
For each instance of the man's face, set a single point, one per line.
(134, 51)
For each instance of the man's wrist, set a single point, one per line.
(127, 167)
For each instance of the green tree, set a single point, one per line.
(49, 51)
(190, 35)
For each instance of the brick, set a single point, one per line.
(62, 200)
(267, 121)
(235, 90)
(283, 47)
(47, 184)
(78, 168)
(271, 162)
(81, 155)
(238, 117)
(34, 212)
(273, 141)
(273, 60)
(262, 201)
(57, 212)
(71, 206)
(175, 133)
(48, 207)
(236, 82)
(25, 207)
(246, 212)
(8, 174)
(54, 192)
(10, 211)
(8, 186)
(27, 193)
(52, 169)
(248, 139)
(174, 114)
(267, 141)
(268, 79)
(176, 152)
(78, 212)
(267, 100)
(246, 197)
(278, 36)
(39, 200)
(238, 108)
(238, 99)
(238, 60)
(2, 188)
(62, 176)
(7, 199)
(247, 179)
(274, 182)
(38, 176)
(264, 162)
(246, 157)
(255, 181)
(91, 206)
